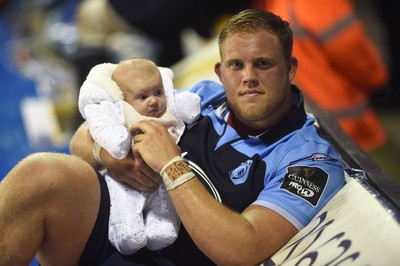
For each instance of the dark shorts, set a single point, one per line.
(99, 251)
(98, 248)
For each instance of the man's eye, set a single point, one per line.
(262, 64)
(236, 65)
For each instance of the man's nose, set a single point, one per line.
(250, 77)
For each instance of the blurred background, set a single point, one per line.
(47, 48)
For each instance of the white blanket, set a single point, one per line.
(101, 103)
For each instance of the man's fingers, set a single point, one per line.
(141, 187)
(142, 127)
(154, 176)
(136, 153)
(135, 150)
(134, 172)
(136, 139)
(140, 181)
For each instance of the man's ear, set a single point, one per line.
(292, 67)
(217, 69)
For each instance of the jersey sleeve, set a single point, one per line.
(209, 91)
(302, 180)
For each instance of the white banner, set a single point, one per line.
(354, 228)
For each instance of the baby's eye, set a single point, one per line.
(159, 92)
(142, 97)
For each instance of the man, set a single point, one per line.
(258, 169)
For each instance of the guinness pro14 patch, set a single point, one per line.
(305, 182)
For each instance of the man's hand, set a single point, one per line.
(153, 144)
(132, 172)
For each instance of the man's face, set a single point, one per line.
(256, 77)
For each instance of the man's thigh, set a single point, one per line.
(48, 204)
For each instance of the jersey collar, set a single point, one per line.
(294, 121)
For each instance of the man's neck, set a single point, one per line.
(242, 129)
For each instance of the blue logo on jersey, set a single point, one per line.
(240, 174)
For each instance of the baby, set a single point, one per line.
(112, 98)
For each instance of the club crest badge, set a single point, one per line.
(240, 174)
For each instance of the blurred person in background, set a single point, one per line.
(341, 68)
(157, 23)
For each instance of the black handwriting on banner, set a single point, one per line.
(317, 240)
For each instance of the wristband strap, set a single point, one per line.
(176, 172)
(96, 153)
(179, 181)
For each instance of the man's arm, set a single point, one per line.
(81, 144)
(225, 236)
(131, 171)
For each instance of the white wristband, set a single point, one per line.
(169, 184)
(182, 171)
(96, 153)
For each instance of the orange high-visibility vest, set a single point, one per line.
(339, 66)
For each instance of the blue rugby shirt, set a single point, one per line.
(289, 168)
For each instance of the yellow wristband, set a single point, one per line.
(96, 153)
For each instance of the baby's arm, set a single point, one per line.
(187, 106)
(107, 127)
(100, 103)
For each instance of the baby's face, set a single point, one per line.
(148, 100)
(142, 87)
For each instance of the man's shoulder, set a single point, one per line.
(207, 87)
(209, 91)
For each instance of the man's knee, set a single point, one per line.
(64, 192)
(50, 167)
(51, 176)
